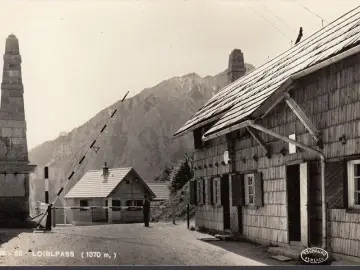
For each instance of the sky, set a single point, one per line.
(81, 56)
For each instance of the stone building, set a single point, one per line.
(14, 163)
(277, 155)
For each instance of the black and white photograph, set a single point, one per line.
(180, 133)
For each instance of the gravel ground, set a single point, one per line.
(128, 244)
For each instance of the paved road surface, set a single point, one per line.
(133, 244)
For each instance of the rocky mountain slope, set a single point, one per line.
(140, 135)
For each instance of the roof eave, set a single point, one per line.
(277, 96)
(192, 128)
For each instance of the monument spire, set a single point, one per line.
(14, 161)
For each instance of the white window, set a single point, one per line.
(292, 147)
(249, 184)
(353, 170)
(216, 191)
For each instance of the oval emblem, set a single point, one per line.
(314, 255)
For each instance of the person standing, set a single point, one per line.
(146, 209)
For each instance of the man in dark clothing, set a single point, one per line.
(146, 209)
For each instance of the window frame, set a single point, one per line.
(87, 205)
(351, 184)
(129, 204)
(246, 189)
(116, 209)
(137, 202)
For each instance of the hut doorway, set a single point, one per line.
(297, 194)
(293, 187)
(225, 200)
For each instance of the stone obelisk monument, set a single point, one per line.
(14, 162)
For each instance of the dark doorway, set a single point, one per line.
(225, 200)
(293, 187)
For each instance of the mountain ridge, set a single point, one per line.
(140, 135)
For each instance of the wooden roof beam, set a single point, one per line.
(254, 133)
(301, 115)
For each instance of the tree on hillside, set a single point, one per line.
(164, 176)
(181, 174)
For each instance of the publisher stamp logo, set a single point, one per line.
(314, 255)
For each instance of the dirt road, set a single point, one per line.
(128, 244)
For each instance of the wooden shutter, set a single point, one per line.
(259, 195)
(208, 194)
(219, 190)
(336, 191)
(237, 190)
(193, 197)
(203, 189)
(211, 191)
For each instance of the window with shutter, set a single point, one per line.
(249, 183)
(203, 189)
(193, 192)
(200, 191)
(253, 189)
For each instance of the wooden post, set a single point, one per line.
(188, 216)
(173, 212)
(54, 217)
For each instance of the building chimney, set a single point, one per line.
(236, 67)
(105, 170)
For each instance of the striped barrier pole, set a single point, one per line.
(48, 218)
(92, 146)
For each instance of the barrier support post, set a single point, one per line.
(48, 218)
(188, 216)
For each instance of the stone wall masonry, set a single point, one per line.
(14, 186)
(11, 123)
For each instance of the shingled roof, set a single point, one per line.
(92, 184)
(161, 190)
(242, 98)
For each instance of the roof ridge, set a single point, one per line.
(244, 96)
(96, 170)
(290, 49)
(225, 100)
(231, 87)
